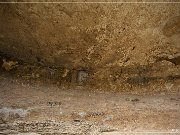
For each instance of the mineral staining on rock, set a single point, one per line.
(9, 65)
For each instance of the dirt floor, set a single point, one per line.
(89, 68)
(34, 108)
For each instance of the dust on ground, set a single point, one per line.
(37, 108)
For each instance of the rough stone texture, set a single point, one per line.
(117, 43)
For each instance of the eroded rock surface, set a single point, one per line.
(117, 44)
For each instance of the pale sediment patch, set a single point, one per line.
(11, 111)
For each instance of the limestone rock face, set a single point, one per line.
(110, 39)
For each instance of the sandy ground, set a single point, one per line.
(43, 109)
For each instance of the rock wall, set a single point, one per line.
(117, 44)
